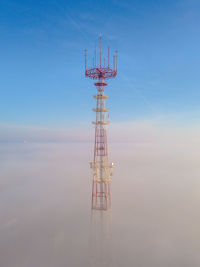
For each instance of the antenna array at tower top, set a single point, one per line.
(101, 71)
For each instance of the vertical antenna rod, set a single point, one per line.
(108, 56)
(116, 59)
(100, 51)
(85, 60)
(95, 56)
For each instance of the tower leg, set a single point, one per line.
(100, 196)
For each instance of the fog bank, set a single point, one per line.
(45, 216)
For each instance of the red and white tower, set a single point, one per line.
(102, 169)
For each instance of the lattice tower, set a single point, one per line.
(102, 170)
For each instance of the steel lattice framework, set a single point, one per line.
(101, 168)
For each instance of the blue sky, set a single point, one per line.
(42, 60)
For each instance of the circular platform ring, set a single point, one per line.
(100, 84)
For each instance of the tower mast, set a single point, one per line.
(101, 168)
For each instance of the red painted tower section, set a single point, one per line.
(102, 169)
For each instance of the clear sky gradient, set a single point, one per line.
(42, 60)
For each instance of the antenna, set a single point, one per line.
(101, 69)
(108, 56)
(100, 51)
(85, 60)
(102, 169)
(95, 56)
(116, 59)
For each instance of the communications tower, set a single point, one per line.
(101, 168)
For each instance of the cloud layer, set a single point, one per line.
(45, 191)
(138, 131)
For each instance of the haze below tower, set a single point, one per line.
(155, 212)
